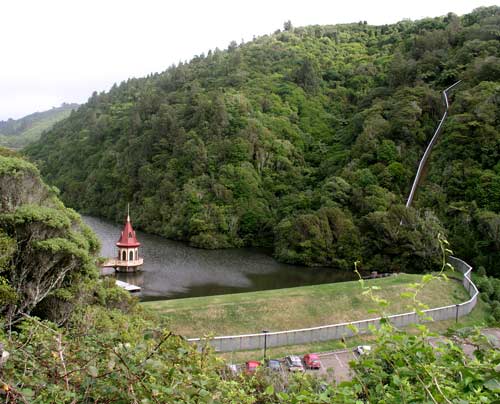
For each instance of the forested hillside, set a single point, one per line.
(305, 140)
(17, 133)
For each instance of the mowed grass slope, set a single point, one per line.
(301, 307)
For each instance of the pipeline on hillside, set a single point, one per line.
(423, 160)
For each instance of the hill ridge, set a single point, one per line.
(17, 133)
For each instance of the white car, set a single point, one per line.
(363, 349)
(294, 364)
(232, 369)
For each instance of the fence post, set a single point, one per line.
(456, 314)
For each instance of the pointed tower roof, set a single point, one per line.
(128, 238)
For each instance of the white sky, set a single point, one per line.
(54, 51)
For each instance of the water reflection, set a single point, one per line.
(172, 269)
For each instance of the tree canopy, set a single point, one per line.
(306, 140)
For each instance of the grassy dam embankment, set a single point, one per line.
(300, 307)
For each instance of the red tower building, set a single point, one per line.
(128, 249)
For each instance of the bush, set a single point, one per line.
(485, 286)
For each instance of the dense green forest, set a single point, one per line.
(17, 133)
(72, 338)
(306, 141)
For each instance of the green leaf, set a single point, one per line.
(93, 371)
(493, 385)
(269, 390)
(26, 392)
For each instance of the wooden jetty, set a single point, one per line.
(128, 286)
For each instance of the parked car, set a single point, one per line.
(273, 364)
(311, 361)
(294, 364)
(251, 366)
(363, 349)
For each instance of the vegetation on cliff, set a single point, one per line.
(46, 252)
(306, 140)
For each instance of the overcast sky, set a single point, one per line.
(55, 51)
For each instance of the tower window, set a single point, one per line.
(124, 256)
(131, 256)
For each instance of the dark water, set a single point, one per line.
(173, 269)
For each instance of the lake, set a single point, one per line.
(173, 270)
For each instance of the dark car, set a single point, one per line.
(273, 364)
(312, 361)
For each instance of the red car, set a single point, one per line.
(312, 361)
(251, 366)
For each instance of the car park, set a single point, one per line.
(294, 364)
(363, 349)
(311, 361)
(273, 364)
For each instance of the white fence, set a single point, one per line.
(337, 331)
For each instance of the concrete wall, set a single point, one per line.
(337, 331)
